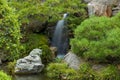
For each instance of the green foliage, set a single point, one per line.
(86, 72)
(50, 11)
(4, 76)
(27, 9)
(74, 8)
(9, 31)
(46, 54)
(60, 71)
(38, 41)
(11, 67)
(109, 73)
(98, 39)
(58, 60)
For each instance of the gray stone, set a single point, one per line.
(36, 52)
(30, 64)
(0, 62)
(87, 1)
(102, 7)
(72, 60)
(116, 9)
(98, 67)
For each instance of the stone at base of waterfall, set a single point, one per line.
(72, 60)
(0, 62)
(30, 64)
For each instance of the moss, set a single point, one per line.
(11, 67)
(38, 41)
(4, 76)
(60, 71)
(109, 73)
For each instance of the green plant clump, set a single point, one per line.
(98, 39)
(9, 31)
(38, 41)
(4, 76)
(109, 73)
(58, 71)
(11, 67)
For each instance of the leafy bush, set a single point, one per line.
(4, 76)
(108, 73)
(60, 71)
(86, 72)
(98, 39)
(76, 10)
(11, 67)
(50, 11)
(9, 31)
(38, 41)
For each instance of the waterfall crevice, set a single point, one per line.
(60, 37)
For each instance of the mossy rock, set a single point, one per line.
(38, 41)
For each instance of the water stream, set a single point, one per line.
(60, 37)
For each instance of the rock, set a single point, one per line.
(116, 9)
(35, 26)
(98, 9)
(98, 67)
(30, 64)
(87, 1)
(36, 52)
(54, 51)
(101, 7)
(72, 60)
(0, 62)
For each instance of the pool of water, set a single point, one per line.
(40, 76)
(31, 77)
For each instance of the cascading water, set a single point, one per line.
(60, 37)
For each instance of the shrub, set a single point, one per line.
(86, 72)
(9, 31)
(61, 71)
(98, 39)
(108, 73)
(11, 67)
(46, 54)
(38, 41)
(4, 76)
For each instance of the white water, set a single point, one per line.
(60, 37)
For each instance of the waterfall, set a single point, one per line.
(60, 37)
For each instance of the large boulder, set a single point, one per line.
(30, 64)
(72, 60)
(101, 7)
